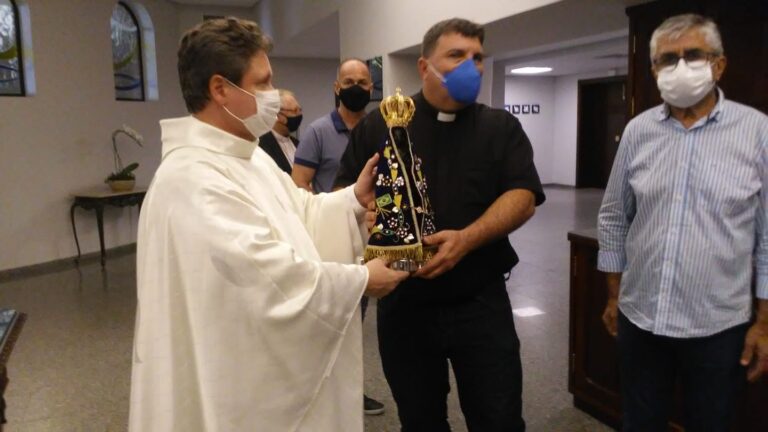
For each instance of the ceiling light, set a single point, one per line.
(530, 70)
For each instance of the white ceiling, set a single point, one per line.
(581, 36)
(237, 3)
(571, 36)
(597, 56)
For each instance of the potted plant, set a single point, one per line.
(123, 178)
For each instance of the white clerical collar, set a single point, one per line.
(446, 117)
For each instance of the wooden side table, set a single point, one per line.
(96, 199)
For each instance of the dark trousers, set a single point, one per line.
(477, 336)
(708, 369)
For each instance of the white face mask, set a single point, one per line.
(267, 107)
(684, 85)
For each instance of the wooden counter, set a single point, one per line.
(593, 373)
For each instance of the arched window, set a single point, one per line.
(126, 54)
(11, 64)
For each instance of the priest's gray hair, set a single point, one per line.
(675, 27)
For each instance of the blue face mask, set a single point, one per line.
(462, 83)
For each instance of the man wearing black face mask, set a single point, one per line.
(278, 143)
(318, 156)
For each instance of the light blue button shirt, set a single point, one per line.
(684, 218)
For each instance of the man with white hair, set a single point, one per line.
(682, 232)
(278, 143)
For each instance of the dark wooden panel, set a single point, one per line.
(593, 377)
(601, 121)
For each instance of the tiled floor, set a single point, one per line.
(70, 370)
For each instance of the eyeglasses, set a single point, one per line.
(290, 112)
(692, 57)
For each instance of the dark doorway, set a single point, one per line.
(601, 119)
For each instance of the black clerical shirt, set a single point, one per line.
(468, 163)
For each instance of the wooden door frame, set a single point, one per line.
(581, 84)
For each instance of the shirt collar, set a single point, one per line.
(664, 113)
(192, 132)
(338, 123)
(423, 106)
(279, 137)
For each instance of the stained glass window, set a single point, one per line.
(11, 66)
(126, 54)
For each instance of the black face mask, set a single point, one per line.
(293, 123)
(355, 98)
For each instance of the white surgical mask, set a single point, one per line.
(684, 85)
(267, 107)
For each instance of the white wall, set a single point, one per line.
(189, 16)
(553, 132)
(538, 127)
(405, 72)
(58, 141)
(283, 19)
(311, 80)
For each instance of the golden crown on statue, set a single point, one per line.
(397, 109)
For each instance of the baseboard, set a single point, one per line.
(64, 263)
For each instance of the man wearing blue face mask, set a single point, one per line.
(482, 186)
(683, 235)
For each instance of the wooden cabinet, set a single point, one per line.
(744, 29)
(593, 375)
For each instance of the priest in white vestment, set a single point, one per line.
(248, 297)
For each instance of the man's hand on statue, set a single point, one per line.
(381, 279)
(451, 248)
(365, 185)
(370, 215)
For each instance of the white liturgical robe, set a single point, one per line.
(247, 316)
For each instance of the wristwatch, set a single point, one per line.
(407, 265)
(402, 265)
